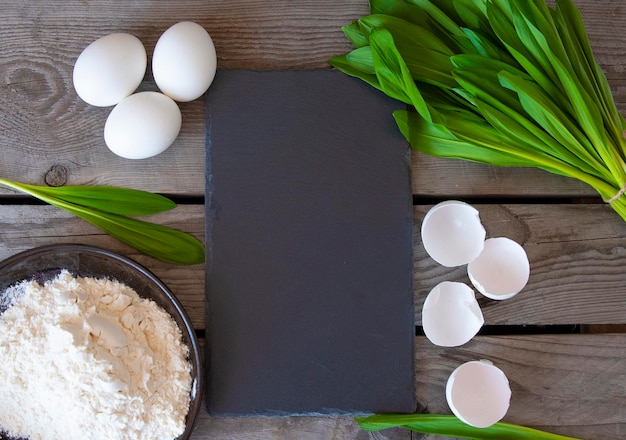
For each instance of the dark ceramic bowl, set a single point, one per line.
(44, 263)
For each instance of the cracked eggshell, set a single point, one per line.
(109, 69)
(452, 233)
(451, 315)
(143, 125)
(478, 393)
(501, 270)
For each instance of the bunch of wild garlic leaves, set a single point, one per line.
(502, 82)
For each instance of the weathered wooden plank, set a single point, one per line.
(288, 428)
(576, 253)
(567, 384)
(23, 227)
(576, 381)
(43, 124)
(441, 177)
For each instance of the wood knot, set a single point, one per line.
(56, 176)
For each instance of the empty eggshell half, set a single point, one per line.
(501, 270)
(452, 233)
(109, 69)
(478, 393)
(143, 125)
(451, 315)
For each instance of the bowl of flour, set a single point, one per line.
(93, 345)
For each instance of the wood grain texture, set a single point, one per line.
(288, 428)
(44, 124)
(576, 254)
(435, 177)
(571, 384)
(568, 384)
(23, 227)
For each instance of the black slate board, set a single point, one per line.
(309, 247)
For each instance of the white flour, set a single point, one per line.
(84, 358)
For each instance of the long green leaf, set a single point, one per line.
(362, 60)
(536, 144)
(572, 32)
(542, 109)
(117, 200)
(166, 244)
(538, 19)
(473, 14)
(451, 426)
(342, 64)
(436, 140)
(395, 8)
(585, 102)
(444, 23)
(393, 75)
(404, 33)
(421, 67)
(487, 48)
(504, 28)
(503, 109)
(430, 64)
(462, 136)
(484, 84)
(354, 34)
(588, 116)
(440, 17)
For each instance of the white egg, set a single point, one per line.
(501, 270)
(109, 69)
(184, 61)
(451, 315)
(478, 393)
(452, 233)
(142, 125)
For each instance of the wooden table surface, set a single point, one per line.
(561, 341)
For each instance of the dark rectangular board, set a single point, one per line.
(309, 247)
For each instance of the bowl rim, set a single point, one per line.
(195, 357)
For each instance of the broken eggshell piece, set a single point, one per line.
(452, 233)
(478, 393)
(451, 315)
(501, 270)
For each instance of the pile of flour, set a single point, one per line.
(85, 358)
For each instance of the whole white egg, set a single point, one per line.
(142, 125)
(184, 61)
(110, 69)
